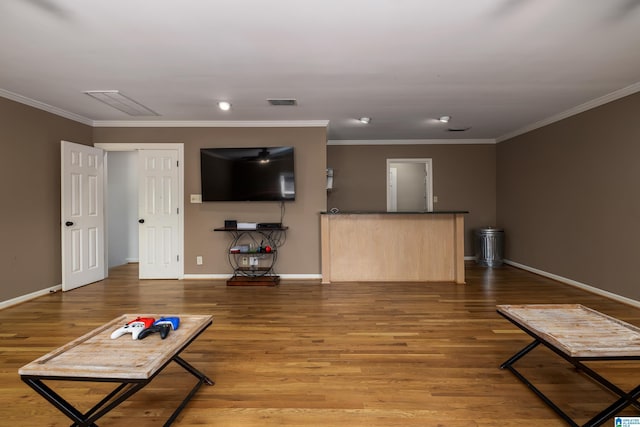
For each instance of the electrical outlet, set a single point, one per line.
(245, 261)
(199, 260)
(435, 199)
(253, 261)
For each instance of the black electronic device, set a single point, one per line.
(162, 329)
(230, 223)
(247, 174)
(269, 225)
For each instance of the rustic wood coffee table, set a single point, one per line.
(95, 357)
(577, 334)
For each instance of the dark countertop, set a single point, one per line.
(394, 213)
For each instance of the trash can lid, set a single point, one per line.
(490, 230)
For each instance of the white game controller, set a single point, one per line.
(134, 328)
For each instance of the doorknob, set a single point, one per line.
(68, 223)
(141, 221)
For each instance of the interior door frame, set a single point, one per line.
(428, 184)
(125, 146)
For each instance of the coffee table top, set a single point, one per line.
(576, 330)
(96, 355)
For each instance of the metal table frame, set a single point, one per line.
(624, 400)
(122, 392)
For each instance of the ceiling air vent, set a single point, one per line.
(282, 102)
(459, 129)
(119, 101)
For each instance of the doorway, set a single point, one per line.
(128, 187)
(409, 185)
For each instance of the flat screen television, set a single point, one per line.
(247, 174)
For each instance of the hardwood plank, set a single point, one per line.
(305, 354)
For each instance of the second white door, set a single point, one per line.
(158, 214)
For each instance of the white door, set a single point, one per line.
(392, 202)
(158, 214)
(82, 215)
(409, 185)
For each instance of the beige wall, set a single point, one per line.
(30, 192)
(568, 197)
(463, 179)
(301, 252)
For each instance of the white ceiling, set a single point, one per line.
(495, 65)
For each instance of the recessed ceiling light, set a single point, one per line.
(224, 105)
(365, 120)
(445, 119)
(117, 100)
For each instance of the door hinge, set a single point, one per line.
(177, 163)
(178, 211)
(178, 258)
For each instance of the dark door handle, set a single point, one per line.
(68, 223)
(141, 221)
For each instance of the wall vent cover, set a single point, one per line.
(282, 102)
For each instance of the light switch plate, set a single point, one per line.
(196, 198)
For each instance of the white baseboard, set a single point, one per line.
(580, 285)
(228, 276)
(207, 276)
(32, 295)
(131, 260)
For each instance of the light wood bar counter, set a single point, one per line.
(393, 246)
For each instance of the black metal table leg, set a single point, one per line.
(513, 359)
(202, 379)
(180, 361)
(539, 393)
(625, 400)
(56, 400)
(88, 419)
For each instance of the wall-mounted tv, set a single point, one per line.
(247, 174)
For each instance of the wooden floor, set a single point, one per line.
(305, 354)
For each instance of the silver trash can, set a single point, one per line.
(489, 246)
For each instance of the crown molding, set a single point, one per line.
(610, 97)
(210, 123)
(45, 107)
(409, 141)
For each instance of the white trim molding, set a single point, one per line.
(179, 147)
(209, 123)
(45, 107)
(409, 141)
(610, 97)
(228, 276)
(28, 297)
(576, 284)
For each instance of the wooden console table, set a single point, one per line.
(578, 334)
(95, 357)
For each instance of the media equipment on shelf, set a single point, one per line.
(269, 225)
